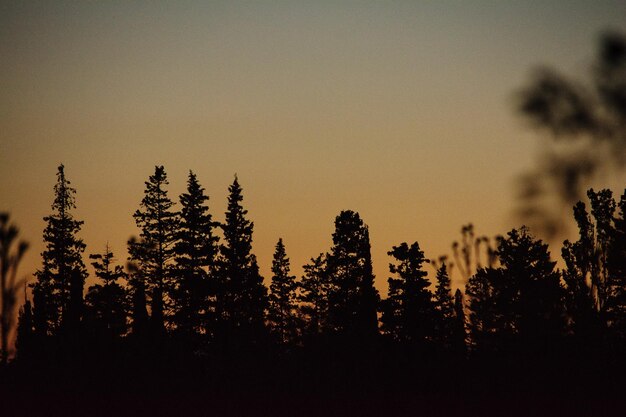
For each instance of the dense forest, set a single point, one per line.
(188, 326)
(190, 313)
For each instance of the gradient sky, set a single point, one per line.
(400, 110)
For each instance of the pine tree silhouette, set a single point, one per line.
(106, 302)
(25, 342)
(352, 297)
(408, 312)
(459, 332)
(58, 291)
(137, 289)
(154, 253)
(196, 248)
(444, 306)
(520, 302)
(241, 297)
(313, 296)
(282, 312)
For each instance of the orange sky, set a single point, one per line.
(400, 111)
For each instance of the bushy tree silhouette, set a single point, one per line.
(352, 297)
(594, 274)
(106, 306)
(521, 301)
(408, 312)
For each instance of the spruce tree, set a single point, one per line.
(59, 288)
(408, 312)
(153, 254)
(241, 297)
(352, 297)
(106, 301)
(195, 250)
(282, 313)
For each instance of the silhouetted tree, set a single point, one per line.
(10, 258)
(352, 297)
(408, 312)
(486, 322)
(154, 252)
(459, 333)
(595, 273)
(444, 307)
(313, 296)
(106, 302)
(196, 248)
(616, 279)
(282, 311)
(578, 256)
(137, 290)
(25, 343)
(241, 297)
(58, 291)
(586, 274)
(521, 301)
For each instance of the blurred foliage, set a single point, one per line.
(585, 141)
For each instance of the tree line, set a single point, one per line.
(183, 282)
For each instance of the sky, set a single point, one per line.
(400, 110)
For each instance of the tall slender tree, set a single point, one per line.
(24, 342)
(59, 288)
(459, 332)
(282, 312)
(353, 299)
(196, 248)
(444, 306)
(153, 254)
(241, 296)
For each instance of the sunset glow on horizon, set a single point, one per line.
(400, 111)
